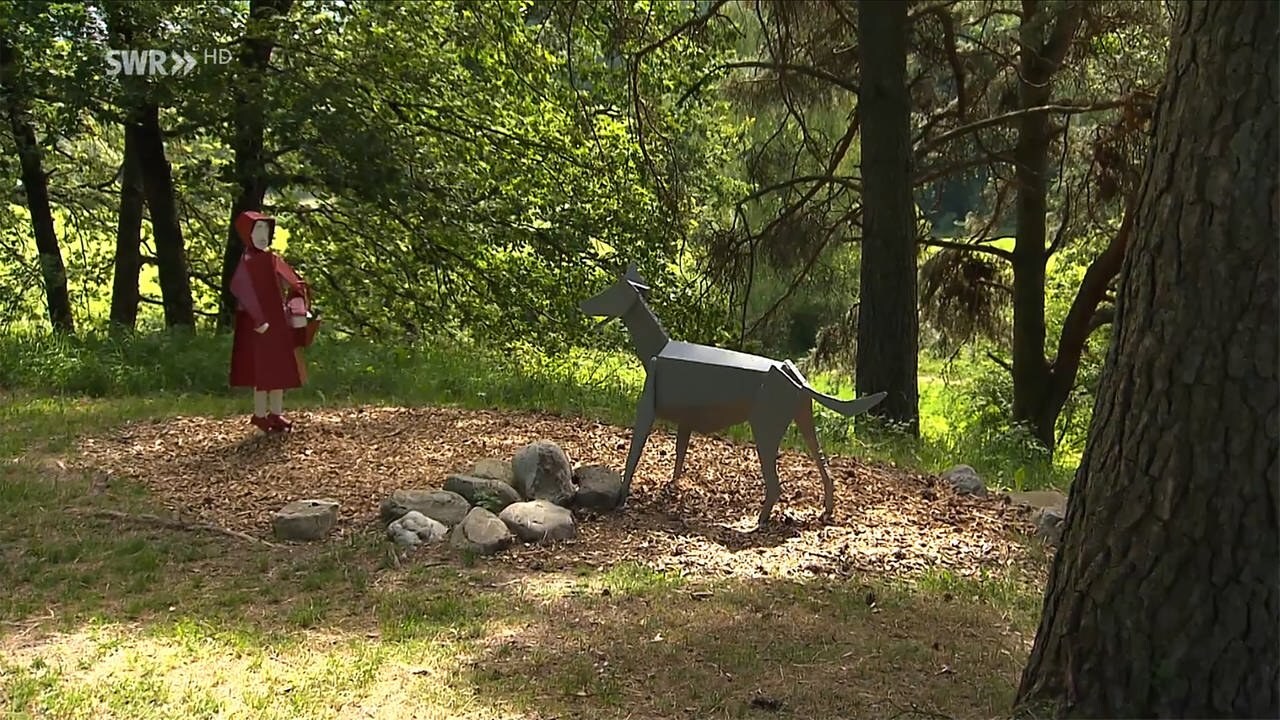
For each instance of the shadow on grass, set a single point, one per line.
(105, 620)
(809, 649)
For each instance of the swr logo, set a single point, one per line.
(159, 62)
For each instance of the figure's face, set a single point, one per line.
(261, 235)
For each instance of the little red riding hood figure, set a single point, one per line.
(273, 321)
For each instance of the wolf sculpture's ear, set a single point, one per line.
(632, 275)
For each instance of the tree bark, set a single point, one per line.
(157, 186)
(145, 138)
(888, 321)
(128, 258)
(1038, 62)
(249, 123)
(1082, 319)
(35, 186)
(1163, 600)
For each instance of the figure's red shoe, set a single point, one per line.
(263, 423)
(279, 423)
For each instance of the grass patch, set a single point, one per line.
(637, 580)
(410, 616)
(58, 387)
(105, 621)
(327, 632)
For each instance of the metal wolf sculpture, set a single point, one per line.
(706, 389)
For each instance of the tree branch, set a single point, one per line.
(846, 181)
(1104, 316)
(1015, 114)
(1081, 318)
(968, 247)
(171, 523)
(795, 283)
(1064, 31)
(689, 24)
(780, 68)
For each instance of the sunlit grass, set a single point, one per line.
(103, 621)
(95, 381)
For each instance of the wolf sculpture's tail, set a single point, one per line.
(848, 408)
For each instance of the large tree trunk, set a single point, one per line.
(157, 185)
(1038, 62)
(128, 259)
(1163, 600)
(144, 136)
(888, 322)
(250, 163)
(35, 186)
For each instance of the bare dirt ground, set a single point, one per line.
(888, 521)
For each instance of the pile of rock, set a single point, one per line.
(530, 498)
(1045, 509)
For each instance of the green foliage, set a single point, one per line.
(476, 170)
(88, 380)
(453, 177)
(787, 312)
(441, 169)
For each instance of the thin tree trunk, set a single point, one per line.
(250, 163)
(1163, 600)
(1037, 64)
(1081, 321)
(157, 185)
(128, 259)
(888, 321)
(35, 186)
(144, 136)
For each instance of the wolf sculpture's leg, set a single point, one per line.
(646, 410)
(767, 448)
(804, 421)
(774, 408)
(682, 446)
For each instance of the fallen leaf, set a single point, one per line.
(221, 471)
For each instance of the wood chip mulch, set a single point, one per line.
(888, 521)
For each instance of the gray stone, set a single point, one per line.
(496, 469)
(599, 487)
(402, 537)
(964, 480)
(1050, 523)
(481, 532)
(305, 520)
(440, 505)
(539, 521)
(543, 472)
(1038, 499)
(488, 493)
(414, 529)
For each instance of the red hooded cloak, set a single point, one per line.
(263, 282)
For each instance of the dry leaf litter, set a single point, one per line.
(888, 521)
